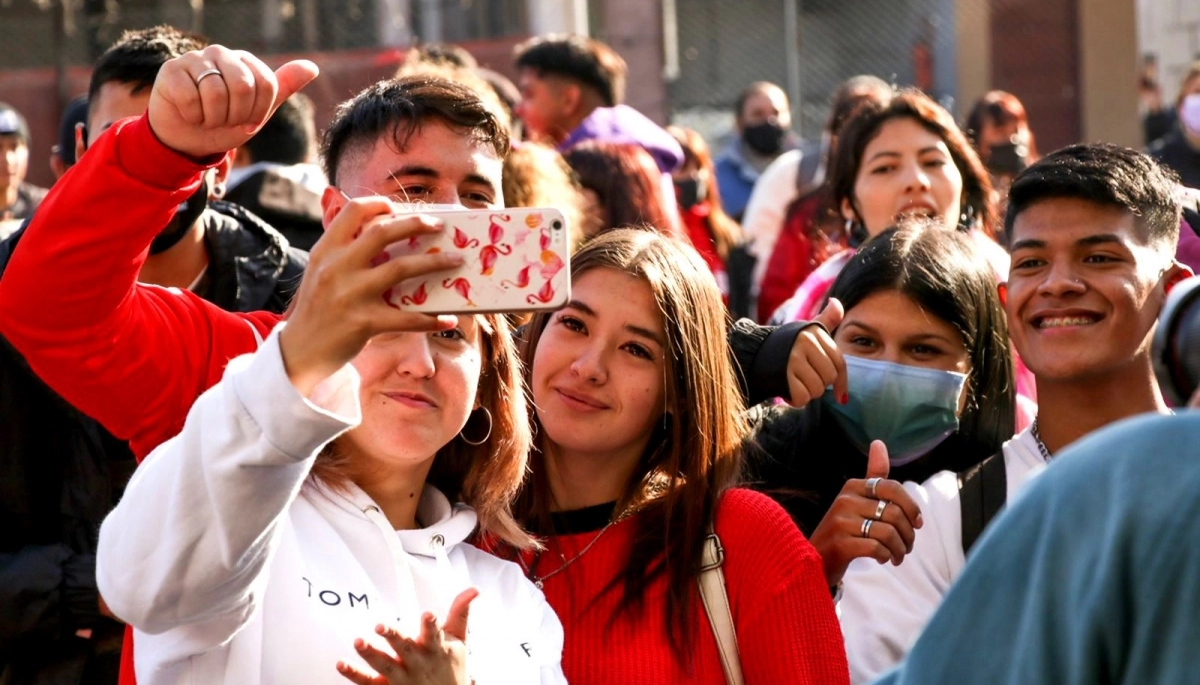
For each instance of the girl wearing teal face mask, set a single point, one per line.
(912, 351)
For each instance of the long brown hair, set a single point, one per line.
(912, 104)
(487, 477)
(725, 232)
(694, 454)
(626, 182)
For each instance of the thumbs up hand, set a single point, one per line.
(871, 517)
(213, 100)
(815, 362)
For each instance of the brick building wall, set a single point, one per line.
(1035, 56)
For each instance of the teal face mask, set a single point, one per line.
(910, 408)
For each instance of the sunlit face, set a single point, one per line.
(541, 107)
(769, 104)
(689, 169)
(113, 102)
(14, 160)
(889, 326)
(440, 165)
(1084, 290)
(905, 169)
(598, 376)
(417, 392)
(992, 134)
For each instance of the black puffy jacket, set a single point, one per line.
(61, 473)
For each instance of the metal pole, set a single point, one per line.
(431, 21)
(197, 16)
(670, 40)
(791, 47)
(61, 21)
(580, 17)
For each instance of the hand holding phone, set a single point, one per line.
(339, 306)
(515, 260)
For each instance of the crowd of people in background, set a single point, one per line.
(790, 427)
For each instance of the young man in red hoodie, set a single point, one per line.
(135, 356)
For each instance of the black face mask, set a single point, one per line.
(181, 224)
(765, 138)
(690, 192)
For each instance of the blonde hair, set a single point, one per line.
(537, 176)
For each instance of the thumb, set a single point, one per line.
(293, 76)
(456, 620)
(831, 316)
(877, 460)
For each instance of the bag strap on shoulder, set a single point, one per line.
(982, 491)
(716, 605)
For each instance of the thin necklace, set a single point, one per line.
(1038, 437)
(540, 581)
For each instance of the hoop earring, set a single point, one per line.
(487, 435)
(966, 221)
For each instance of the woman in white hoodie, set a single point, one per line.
(309, 500)
(313, 495)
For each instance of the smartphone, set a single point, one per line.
(517, 260)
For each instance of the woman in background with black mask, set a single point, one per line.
(763, 127)
(999, 129)
(710, 229)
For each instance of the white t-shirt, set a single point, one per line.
(884, 608)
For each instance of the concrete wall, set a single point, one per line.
(634, 28)
(973, 43)
(1108, 59)
(1035, 56)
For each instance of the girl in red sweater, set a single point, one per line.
(638, 422)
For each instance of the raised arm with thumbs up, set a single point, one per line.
(871, 517)
(211, 101)
(815, 362)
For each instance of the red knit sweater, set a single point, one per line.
(786, 628)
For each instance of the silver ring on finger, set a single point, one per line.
(206, 73)
(879, 509)
(866, 528)
(872, 483)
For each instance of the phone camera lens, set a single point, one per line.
(556, 225)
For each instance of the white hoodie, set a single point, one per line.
(235, 566)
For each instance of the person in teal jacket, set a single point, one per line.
(1091, 576)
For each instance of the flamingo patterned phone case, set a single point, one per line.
(516, 260)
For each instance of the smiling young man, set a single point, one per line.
(1093, 230)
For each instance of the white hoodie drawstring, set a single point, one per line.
(409, 608)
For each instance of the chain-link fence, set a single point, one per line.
(38, 33)
(807, 49)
